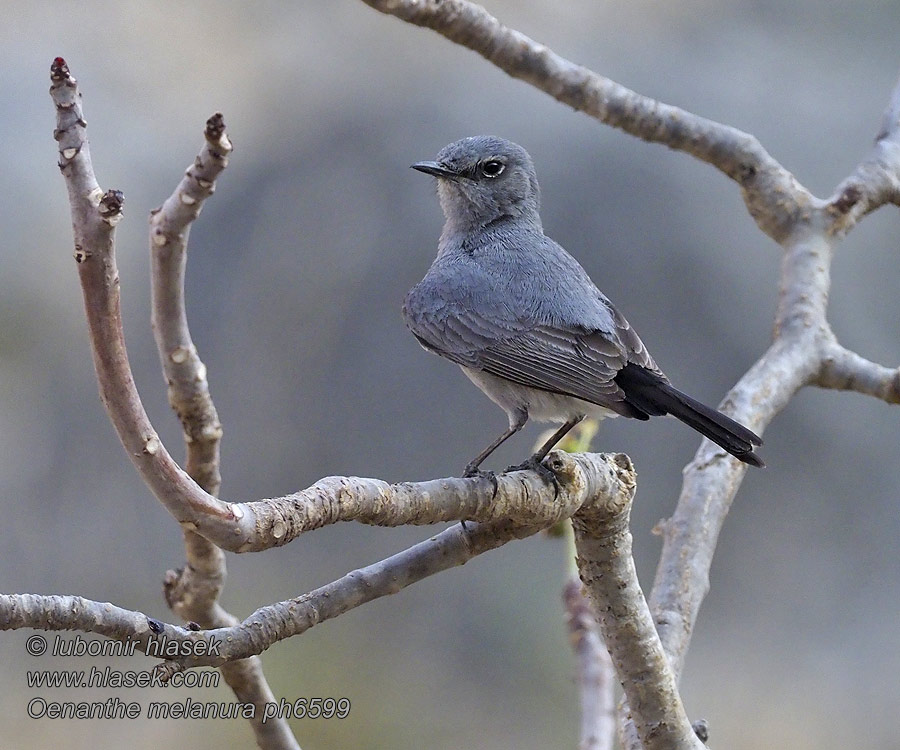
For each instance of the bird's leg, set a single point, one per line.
(535, 463)
(541, 453)
(517, 421)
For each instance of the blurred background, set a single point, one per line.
(297, 270)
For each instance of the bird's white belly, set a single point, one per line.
(542, 406)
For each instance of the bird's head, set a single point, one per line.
(483, 180)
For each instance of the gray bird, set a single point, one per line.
(522, 318)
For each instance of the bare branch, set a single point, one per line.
(595, 671)
(276, 622)
(876, 180)
(712, 479)
(606, 566)
(844, 370)
(774, 197)
(185, 373)
(193, 591)
(76, 613)
(521, 496)
(94, 216)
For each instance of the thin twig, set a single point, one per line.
(192, 592)
(185, 373)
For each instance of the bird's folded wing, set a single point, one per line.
(637, 352)
(579, 364)
(566, 360)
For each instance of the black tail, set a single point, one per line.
(648, 392)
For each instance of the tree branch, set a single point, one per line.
(876, 180)
(184, 372)
(710, 484)
(192, 592)
(606, 566)
(844, 370)
(798, 356)
(773, 196)
(595, 670)
(613, 481)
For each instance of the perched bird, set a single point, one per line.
(522, 318)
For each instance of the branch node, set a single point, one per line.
(746, 172)
(151, 445)
(170, 586)
(215, 127)
(168, 669)
(111, 205)
(849, 197)
(564, 469)
(180, 354)
(701, 729)
(155, 626)
(217, 137)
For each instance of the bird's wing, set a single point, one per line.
(552, 329)
(567, 360)
(636, 351)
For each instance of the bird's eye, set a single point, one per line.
(492, 168)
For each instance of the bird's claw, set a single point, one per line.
(472, 471)
(534, 464)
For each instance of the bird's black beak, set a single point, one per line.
(435, 169)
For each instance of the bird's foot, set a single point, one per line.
(536, 464)
(472, 470)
